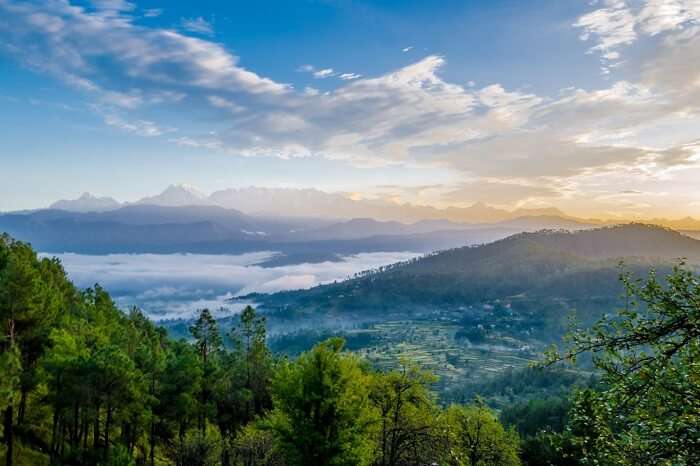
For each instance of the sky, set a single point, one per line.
(589, 106)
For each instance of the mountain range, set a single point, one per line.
(87, 203)
(312, 203)
(301, 203)
(182, 219)
(137, 228)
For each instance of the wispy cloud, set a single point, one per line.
(113, 5)
(152, 12)
(140, 127)
(327, 73)
(95, 51)
(324, 73)
(620, 23)
(221, 102)
(197, 25)
(407, 49)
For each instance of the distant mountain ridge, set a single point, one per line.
(215, 230)
(304, 203)
(205, 228)
(86, 203)
(313, 203)
(177, 195)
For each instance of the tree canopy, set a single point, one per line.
(85, 383)
(647, 408)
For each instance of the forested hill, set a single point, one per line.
(631, 240)
(84, 384)
(549, 251)
(545, 265)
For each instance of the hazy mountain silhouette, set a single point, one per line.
(86, 203)
(313, 203)
(177, 195)
(211, 229)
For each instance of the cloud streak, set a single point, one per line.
(141, 127)
(198, 25)
(97, 50)
(324, 73)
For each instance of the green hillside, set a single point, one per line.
(474, 313)
(84, 383)
(544, 265)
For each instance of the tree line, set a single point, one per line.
(83, 383)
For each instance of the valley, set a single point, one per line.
(474, 313)
(349, 233)
(477, 314)
(468, 302)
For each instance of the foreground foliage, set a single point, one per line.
(647, 409)
(86, 384)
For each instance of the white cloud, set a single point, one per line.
(176, 285)
(131, 99)
(139, 127)
(72, 43)
(160, 97)
(327, 73)
(511, 108)
(152, 12)
(197, 25)
(658, 16)
(113, 5)
(221, 102)
(280, 122)
(612, 25)
(407, 49)
(611, 55)
(199, 143)
(324, 73)
(412, 115)
(620, 23)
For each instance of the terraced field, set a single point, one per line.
(433, 346)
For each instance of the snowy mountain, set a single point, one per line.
(176, 195)
(86, 203)
(303, 204)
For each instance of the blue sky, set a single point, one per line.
(588, 106)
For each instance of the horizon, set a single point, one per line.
(206, 198)
(387, 101)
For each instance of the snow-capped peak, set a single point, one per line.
(177, 195)
(86, 203)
